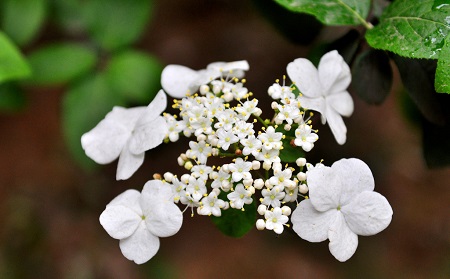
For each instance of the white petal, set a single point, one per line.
(336, 124)
(237, 67)
(119, 221)
(148, 135)
(334, 73)
(324, 188)
(341, 102)
(163, 218)
(316, 104)
(158, 190)
(154, 109)
(127, 117)
(128, 163)
(129, 198)
(356, 178)
(304, 74)
(176, 80)
(368, 214)
(343, 242)
(310, 224)
(140, 246)
(104, 143)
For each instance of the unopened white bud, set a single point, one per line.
(185, 178)
(180, 161)
(301, 176)
(256, 165)
(260, 224)
(303, 188)
(183, 156)
(228, 97)
(267, 184)
(277, 166)
(286, 210)
(216, 191)
(301, 162)
(204, 89)
(267, 165)
(227, 205)
(251, 189)
(257, 112)
(226, 185)
(168, 176)
(201, 137)
(214, 175)
(258, 183)
(225, 168)
(188, 165)
(247, 182)
(262, 209)
(274, 105)
(287, 127)
(215, 152)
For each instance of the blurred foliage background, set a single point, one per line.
(80, 58)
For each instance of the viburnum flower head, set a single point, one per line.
(178, 80)
(139, 219)
(127, 134)
(341, 206)
(325, 89)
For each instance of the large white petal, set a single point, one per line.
(341, 102)
(148, 135)
(141, 246)
(126, 117)
(334, 73)
(119, 221)
(368, 214)
(310, 224)
(304, 74)
(343, 242)
(324, 188)
(236, 67)
(356, 178)
(158, 190)
(336, 124)
(316, 104)
(154, 109)
(128, 163)
(129, 198)
(104, 143)
(163, 218)
(176, 80)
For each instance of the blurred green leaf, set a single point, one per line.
(235, 222)
(12, 98)
(61, 63)
(116, 23)
(22, 19)
(442, 81)
(12, 63)
(331, 12)
(135, 75)
(414, 29)
(69, 15)
(84, 105)
(372, 76)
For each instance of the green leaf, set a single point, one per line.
(116, 23)
(372, 76)
(332, 12)
(69, 15)
(235, 222)
(12, 63)
(415, 29)
(22, 19)
(12, 98)
(61, 63)
(84, 105)
(135, 75)
(442, 81)
(289, 153)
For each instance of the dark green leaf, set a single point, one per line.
(61, 63)
(235, 222)
(135, 75)
(22, 19)
(12, 63)
(289, 153)
(12, 98)
(415, 29)
(288, 23)
(442, 81)
(116, 23)
(417, 77)
(84, 105)
(69, 15)
(331, 12)
(372, 76)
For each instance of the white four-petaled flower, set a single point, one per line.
(325, 89)
(341, 206)
(139, 219)
(127, 134)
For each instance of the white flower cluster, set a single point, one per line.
(223, 120)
